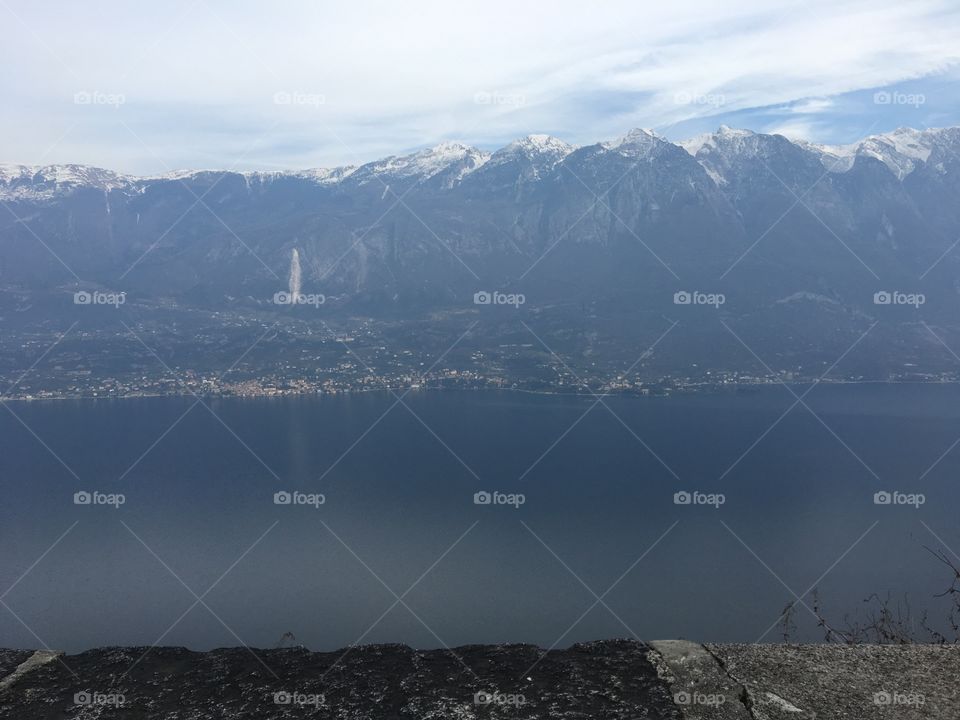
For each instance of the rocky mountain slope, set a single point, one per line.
(799, 239)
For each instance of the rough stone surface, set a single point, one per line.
(861, 682)
(700, 686)
(608, 679)
(605, 680)
(10, 659)
(31, 663)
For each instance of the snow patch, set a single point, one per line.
(637, 141)
(805, 295)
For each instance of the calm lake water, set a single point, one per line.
(598, 511)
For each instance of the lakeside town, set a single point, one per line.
(233, 355)
(354, 377)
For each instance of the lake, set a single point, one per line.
(584, 504)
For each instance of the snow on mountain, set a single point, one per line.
(720, 153)
(326, 176)
(725, 136)
(535, 146)
(540, 152)
(901, 150)
(694, 144)
(835, 158)
(62, 175)
(637, 142)
(26, 181)
(321, 176)
(454, 158)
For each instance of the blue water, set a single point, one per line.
(202, 500)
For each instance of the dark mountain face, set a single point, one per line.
(797, 237)
(427, 223)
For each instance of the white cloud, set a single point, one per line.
(796, 130)
(199, 79)
(810, 106)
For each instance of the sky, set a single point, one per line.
(291, 84)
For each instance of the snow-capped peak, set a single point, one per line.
(450, 149)
(63, 175)
(536, 153)
(535, 147)
(718, 151)
(455, 156)
(835, 158)
(909, 142)
(694, 144)
(327, 176)
(636, 138)
(46, 181)
(901, 150)
(728, 132)
(725, 135)
(541, 144)
(639, 142)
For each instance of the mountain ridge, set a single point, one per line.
(602, 238)
(900, 149)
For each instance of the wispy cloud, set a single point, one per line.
(810, 106)
(347, 82)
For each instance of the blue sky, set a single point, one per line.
(297, 84)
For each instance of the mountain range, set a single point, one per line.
(799, 239)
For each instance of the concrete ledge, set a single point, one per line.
(859, 682)
(701, 688)
(35, 660)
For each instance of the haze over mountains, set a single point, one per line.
(798, 237)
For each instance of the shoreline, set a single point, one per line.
(704, 389)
